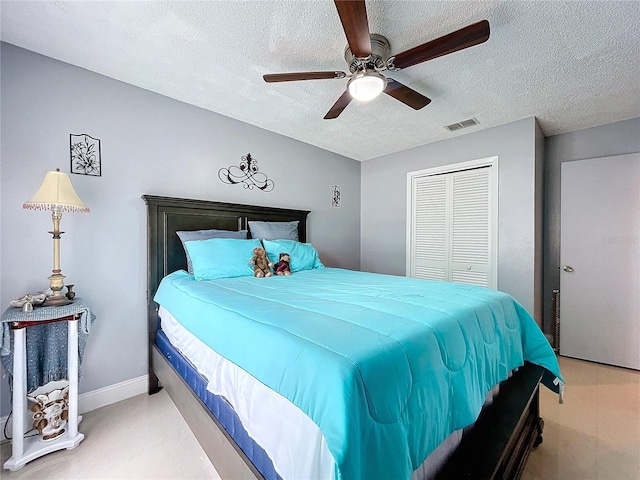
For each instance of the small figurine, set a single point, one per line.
(28, 299)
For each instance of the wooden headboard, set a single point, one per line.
(165, 254)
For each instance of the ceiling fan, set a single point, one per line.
(367, 55)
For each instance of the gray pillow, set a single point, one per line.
(189, 235)
(274, 230)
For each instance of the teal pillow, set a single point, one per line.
(304, 256)
(188, 236)
(221, 257)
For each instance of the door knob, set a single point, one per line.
(568, 269)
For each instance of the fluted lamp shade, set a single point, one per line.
(56, 194)
(56, 191)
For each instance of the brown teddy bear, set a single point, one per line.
(261, 263)
(282, 266)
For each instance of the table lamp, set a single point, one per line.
(56, 194)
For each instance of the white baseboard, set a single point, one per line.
(113, 393)
(100, 398)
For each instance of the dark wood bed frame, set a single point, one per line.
(497, 447)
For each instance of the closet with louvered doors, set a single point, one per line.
(452, 222)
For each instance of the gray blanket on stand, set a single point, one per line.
(46, 344)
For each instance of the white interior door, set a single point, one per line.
(600, 260)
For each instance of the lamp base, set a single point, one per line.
(56, 282)
(56, 301)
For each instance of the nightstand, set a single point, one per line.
(78, 319)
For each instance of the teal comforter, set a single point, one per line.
(386, 366)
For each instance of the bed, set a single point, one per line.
(495, 447)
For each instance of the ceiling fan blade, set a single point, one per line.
(292, 77)
(353, 15)
(458, 40)
(406, 95)
(339, 106)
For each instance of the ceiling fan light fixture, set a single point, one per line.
(365, 86)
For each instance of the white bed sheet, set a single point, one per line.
(304, 454)
(290, 438)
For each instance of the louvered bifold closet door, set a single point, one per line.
(470, 234)
(430, 228)
(452, 218)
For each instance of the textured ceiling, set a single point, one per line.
(571, 64)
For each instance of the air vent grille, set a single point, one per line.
(463, 124)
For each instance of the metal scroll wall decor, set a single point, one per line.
(335, 196)
(85, 155)
(246, 174)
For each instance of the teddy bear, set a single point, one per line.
(261, 263)
(282, 266)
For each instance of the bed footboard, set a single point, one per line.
(499, 444)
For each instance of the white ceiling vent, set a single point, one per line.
(463, 124)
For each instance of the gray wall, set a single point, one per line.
(150, 144)
(618, 138)
(384, 202)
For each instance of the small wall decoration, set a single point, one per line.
(335, 196)
(85, 155)
(247, 174)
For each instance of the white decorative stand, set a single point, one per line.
(30, 448)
